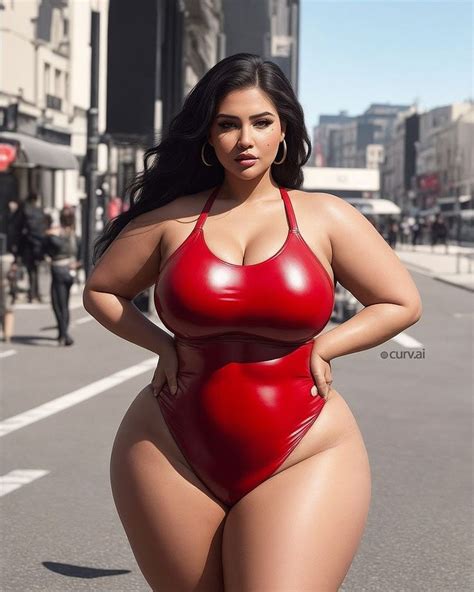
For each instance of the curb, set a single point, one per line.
(451, 283)
(416, 266)
(431, 274)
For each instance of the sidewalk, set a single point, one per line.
(456, 267)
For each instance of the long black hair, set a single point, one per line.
(177, 168)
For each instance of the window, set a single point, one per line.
(57, 83)
(47, 79)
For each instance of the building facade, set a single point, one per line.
(359, 141)
(399, 164)
(269, 28)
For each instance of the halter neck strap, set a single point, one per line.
(290, 214)
(205, 209)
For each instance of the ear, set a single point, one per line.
(283, 128)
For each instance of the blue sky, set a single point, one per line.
(353, 53)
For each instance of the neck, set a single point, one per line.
(240, 191)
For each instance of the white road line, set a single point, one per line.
(406, 340)
(65, 401)
(7, 353)
(16, 479)
(83, 320)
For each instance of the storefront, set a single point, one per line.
(50, 169)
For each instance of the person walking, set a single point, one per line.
(416, 230)
(239, 467)
(439, 232)
(60, 245)
(392, 233)
(8, 278)
(31, 230)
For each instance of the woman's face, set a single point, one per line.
(235, 130)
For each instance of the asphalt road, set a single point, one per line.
(60, 530)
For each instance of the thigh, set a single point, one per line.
(55, 297)
(63, 289)
(173, 524)
(300, 529)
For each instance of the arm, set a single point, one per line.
(130, 265)
(369, 268)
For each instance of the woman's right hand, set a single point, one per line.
(166, 369)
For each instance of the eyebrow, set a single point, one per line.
(251, 117)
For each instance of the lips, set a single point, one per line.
(246, 157)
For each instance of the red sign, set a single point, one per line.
(7, 156)
(429, 182)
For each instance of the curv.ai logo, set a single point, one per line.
(414, 354)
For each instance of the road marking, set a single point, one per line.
(73, 398)
(83, 320)
(16, 479)
(7, 353)
(406, 340)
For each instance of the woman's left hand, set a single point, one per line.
(321, 371)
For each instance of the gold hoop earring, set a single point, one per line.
(284, 154)
(202, 155)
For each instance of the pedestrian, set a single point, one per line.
(222, 472)
(31, 229)
(439, 232)
(392, 234)
(8, 279)
(405, 231)
(416, 231)
(60, 244)
(68, 216)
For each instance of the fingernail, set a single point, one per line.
(174, 389)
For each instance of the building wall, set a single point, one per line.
(268, 28)
(203, 39)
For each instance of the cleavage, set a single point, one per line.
(263, 245)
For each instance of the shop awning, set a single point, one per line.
(374, 206)
(37, 152)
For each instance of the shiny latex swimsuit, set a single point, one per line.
(243, 336)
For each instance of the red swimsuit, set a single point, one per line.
(243, 336)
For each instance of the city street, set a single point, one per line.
(60, 528)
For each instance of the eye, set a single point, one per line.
(225, 124)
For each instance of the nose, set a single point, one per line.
(245, 139)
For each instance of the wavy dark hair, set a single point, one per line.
(177, 168)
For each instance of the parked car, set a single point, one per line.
(346, 305)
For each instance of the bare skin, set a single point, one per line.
(300, 529)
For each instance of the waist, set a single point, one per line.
(64, 261)
(252, 340)
(244, 357)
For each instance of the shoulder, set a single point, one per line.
(334, 214)
(330, 206)
(320, 199)
(181, 207)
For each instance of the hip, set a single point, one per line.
(244, 391)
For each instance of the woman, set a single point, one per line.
(60, 244)
(248, 471)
